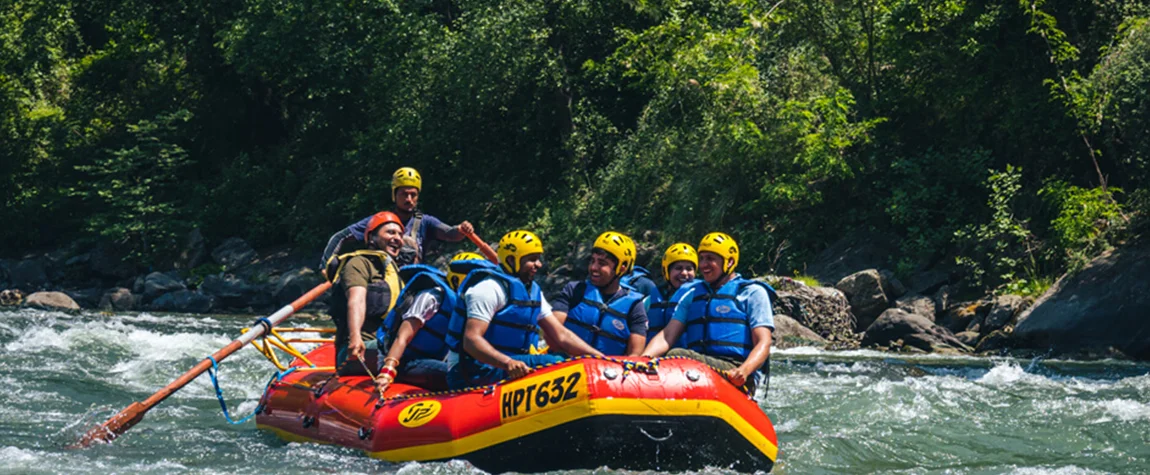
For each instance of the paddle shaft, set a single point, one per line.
(484, 248)
(134, 413)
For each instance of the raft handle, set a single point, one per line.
(670, 433)
(364, 433)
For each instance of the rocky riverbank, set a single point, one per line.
(1099, 311)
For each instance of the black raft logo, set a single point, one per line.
(419, 413)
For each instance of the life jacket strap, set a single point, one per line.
(595, 329)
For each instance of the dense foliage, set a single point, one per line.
(996, 132)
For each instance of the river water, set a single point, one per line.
(835, 412)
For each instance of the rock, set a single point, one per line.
(891, 286)
(78, 260)
(996, 341)
(857, 251)
(864, 291)
(4, 273)
(295, 283)
(233, 253)
(918, 305)
(1104, 305)
(121, 300)
(225, 286)
(967, 338)
(960, 317)
(1003, 312)
(824, 310)
(107, 260)
(194, 252)
(942, 299)
(914, 330)
(159, 283)
(231, 291)
(28, 274)
(51, 301)
(11, 297)
(86, 298)
(929, 281)
(183, 301)
(789, 333)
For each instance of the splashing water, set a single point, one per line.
(835, 412)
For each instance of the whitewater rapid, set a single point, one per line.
(835, 412)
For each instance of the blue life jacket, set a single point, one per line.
(513, 329)
(662, 310)
(636, 273)
(716, 325)
(603, 326)
(431, 340)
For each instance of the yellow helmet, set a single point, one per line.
(455, 275)
(619, 246)
(405, 176)
(517, 244)
(723, 245)
(679, 251)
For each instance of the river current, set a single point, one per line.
(835, 412)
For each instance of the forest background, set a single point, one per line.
(1012, 138)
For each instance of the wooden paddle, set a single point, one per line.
(134, 413)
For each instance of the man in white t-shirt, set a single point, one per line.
(498, 337)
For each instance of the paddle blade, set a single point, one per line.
(113, 427)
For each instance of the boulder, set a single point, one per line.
(4, 273)
(11, 297)
(86, 298)
(1103, 305)
(159, 283)
(891, 286)
(789, 333)
(232, 253)
(967, 338)
(51, 301)
(928, 281)
(107, 260)
(918, 305)
(295, 283)
(912, 330)
(225, 286)
(28, 274)
(942, 298)
(857, 251)
(120, 299)
(194, 252)
(231, 291)
(964, 315)
(1003, 312)
(824, 310)
(183, 301)
(865, 293)
(995, 342)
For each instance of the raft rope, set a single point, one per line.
(279, 375)
(650, 367)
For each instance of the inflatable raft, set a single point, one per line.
(674, 414)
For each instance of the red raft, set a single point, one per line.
(580, 414)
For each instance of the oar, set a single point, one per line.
(134, 413)
(484, 248)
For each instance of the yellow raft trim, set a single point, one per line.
(597, 407)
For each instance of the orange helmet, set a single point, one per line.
(379, 219)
